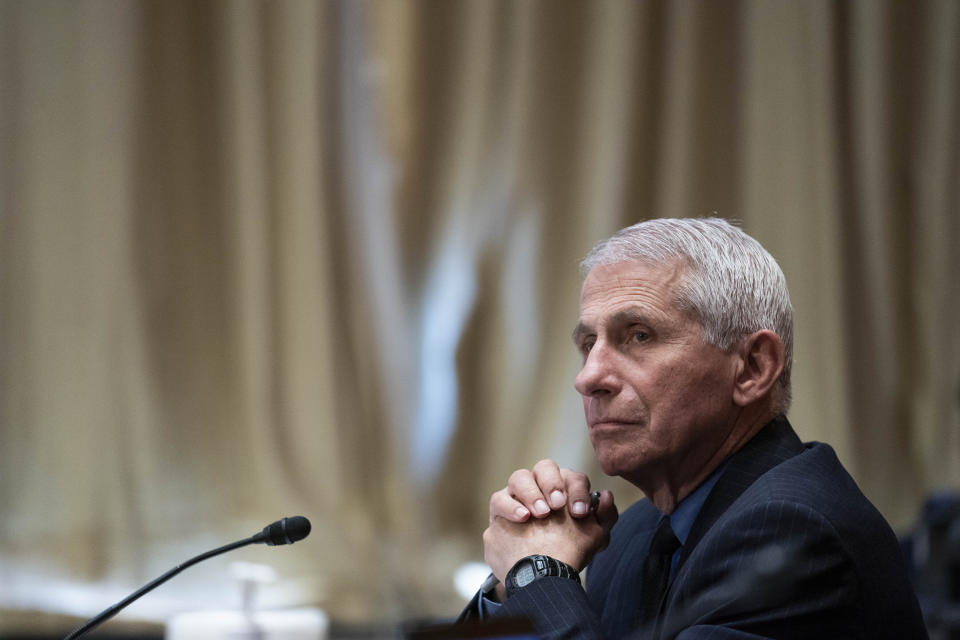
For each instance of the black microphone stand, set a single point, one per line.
(111, 611)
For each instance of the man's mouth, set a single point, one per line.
(611, 424)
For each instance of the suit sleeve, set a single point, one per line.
(557, 607)
(473, 612)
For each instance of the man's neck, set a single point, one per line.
(666, 490)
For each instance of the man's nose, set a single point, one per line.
(598, 375)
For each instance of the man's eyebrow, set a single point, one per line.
(579, 332)
(630, 316)
(622, 318)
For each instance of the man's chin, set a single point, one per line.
(616, 461)
(615, 466)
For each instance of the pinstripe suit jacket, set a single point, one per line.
(785, 546)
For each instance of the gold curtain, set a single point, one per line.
(266, 258)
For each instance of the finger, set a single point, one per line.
(551, 483)
(607, 513)
(577, 487)
(503, 505)
(523, 487)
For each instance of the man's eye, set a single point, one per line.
(641, 336)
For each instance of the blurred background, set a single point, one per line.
(260, 259)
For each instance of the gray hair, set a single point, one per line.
(734, 287)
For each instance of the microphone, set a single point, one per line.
(284, 531)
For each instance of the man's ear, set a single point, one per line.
(763, 357)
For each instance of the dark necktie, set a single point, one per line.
(656, 570)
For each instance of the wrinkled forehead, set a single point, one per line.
(612, 281)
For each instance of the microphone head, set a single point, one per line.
(285, 531)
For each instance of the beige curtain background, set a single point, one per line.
(268, 258)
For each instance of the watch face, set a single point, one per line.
(525, 574)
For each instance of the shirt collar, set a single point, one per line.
(683, 517)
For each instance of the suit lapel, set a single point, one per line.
(773, 444)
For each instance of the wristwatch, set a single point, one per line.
(535, 567)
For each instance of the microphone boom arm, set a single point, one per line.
(113, 610)
(283, 531)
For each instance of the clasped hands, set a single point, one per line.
(545, 510)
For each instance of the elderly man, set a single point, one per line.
(686, 335)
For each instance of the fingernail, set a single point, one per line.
(522, 512)
(557, 499)
(579, 507)
(540, 507)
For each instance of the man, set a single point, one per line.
(686, 336)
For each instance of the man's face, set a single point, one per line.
(657, 397)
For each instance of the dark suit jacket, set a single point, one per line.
(786, 546)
